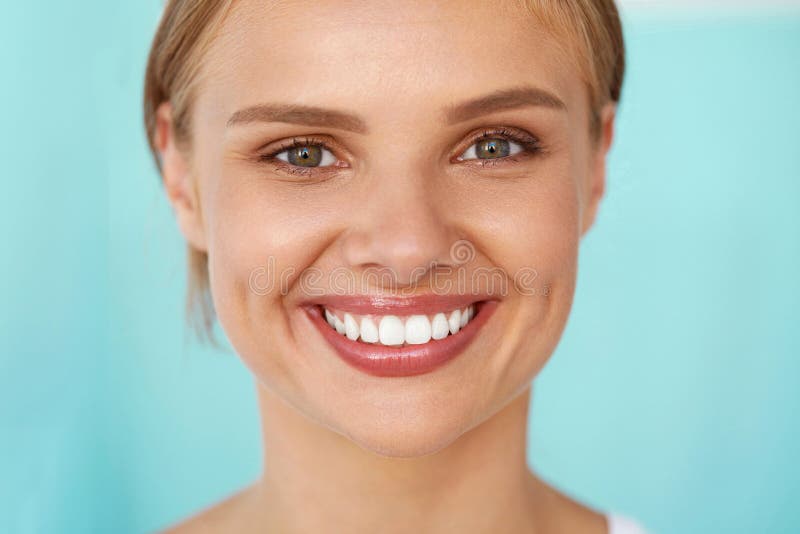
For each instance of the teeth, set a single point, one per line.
(454, 322)
(418, 330)
(439, 326)
(338, 324)
(369, 332)
(392, 330)
(350, 327)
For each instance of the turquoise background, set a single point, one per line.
(673, 397)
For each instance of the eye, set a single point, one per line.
(491, 148)
(306, 155)
(505, 144)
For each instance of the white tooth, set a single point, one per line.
(464, 317)
(338, 324)
(329, 317)
(471, 312)
(350, 327)
(418, 330)
(439, 326)
(391, 330)
(369, 332)
(455, 322)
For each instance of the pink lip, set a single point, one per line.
(407, 360)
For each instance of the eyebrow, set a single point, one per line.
(501, 100)
(298, 114)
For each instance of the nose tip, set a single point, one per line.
(405, 241)
(406, 254)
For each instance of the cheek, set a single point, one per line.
(533, 235)
(254, 226)
(260, 240)
(544, 250)
(530, 227)
(546, 240)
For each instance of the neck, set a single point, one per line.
(315, 478)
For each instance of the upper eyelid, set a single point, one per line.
(287, 144)
(505, 132)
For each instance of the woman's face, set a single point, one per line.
(427, 134)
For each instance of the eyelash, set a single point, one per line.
(531, 146)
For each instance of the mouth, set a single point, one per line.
(393, 337)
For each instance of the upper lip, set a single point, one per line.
(397, 304)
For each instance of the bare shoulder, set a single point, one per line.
(229, 515)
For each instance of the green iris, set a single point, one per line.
(492, 148)
(305, 156)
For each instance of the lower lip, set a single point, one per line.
(406, 360)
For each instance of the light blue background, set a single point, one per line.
(673, 397)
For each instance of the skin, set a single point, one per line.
(346, 451)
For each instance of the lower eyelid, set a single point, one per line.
(501, 161)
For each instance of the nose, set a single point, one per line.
(402, 228)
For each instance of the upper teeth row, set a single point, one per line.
(393, 330)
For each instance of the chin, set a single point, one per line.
(405, 439)
(404, 424)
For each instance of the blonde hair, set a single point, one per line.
(589, 30)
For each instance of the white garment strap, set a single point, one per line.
(620, 524)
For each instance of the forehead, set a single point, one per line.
(360, 54)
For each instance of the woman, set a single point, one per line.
(383, 203)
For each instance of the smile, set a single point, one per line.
(391, 330)
(399, 337)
